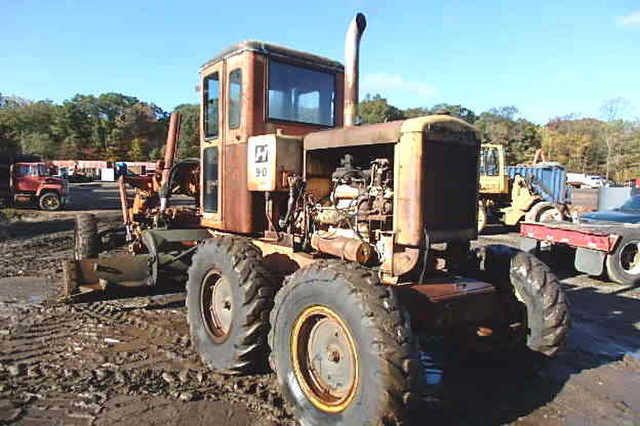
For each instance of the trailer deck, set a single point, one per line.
(598, 245)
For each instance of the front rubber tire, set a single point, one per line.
(482, 216)
(544, 212)
(242, 348)
(86, 241)
(383, 345)
(623, 264)
(520, 277)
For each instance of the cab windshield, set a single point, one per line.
(31, 170)
(489, 162)
(301, 95)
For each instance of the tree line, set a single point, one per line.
(608, 146)
(113, 127)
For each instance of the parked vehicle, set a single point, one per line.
(536, 193)
(629, 212)
(371, 225)
(581, 180)
(24, 181)
(603, 241)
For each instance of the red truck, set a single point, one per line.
(26, 180)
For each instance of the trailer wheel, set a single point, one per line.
(86, 242)
(544, 212)
(342, 347)
(623, 264)
(532, 296)
(482, 216)
(50, 201)
(229, 297)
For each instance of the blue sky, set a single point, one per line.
(548, 58)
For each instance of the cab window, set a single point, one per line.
(211, 184)
(211, 105)
(489, 163)
(301, 94)
(235, 98)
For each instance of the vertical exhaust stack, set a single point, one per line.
(169, 157)
(351, 72)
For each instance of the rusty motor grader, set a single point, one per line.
(324, 248)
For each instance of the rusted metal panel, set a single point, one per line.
(430, 148)
(170, 147)
(239, 133)
(124, 270)
(409, 190)
(274, 50)
(241, 209)
(442, 289)
(354, 136)
(124, 202)
(449, 303)
(282, 260)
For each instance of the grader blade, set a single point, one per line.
(95, 274)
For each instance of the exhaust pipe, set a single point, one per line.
(169, 157)
(351, 71)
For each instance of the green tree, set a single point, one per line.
(188, 139)
(615, 130)
(520, 136)
(456, 111)
(26, 127)
(376, 109)
(574, 143)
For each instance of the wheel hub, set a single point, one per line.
(330, 358)
(324, 359)
(50, 202)
(217, 305)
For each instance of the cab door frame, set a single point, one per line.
(213, 218)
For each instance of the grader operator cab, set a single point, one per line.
(326, 248)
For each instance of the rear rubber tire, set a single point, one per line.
(50, 201)
(86, 238)
(522, 278)
(482, 216)
(614, 262)
(243, 347)
(383, 345)
(544, 212)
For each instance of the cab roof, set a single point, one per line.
(276, 51)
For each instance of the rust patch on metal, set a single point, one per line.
(351, 249)
(438, 291)
(354, 136)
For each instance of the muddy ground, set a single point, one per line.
(128, 360)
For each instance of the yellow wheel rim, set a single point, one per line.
(324, 359)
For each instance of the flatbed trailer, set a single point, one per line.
(600, 247)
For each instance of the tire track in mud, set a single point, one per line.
(137, 349)
(38, 256)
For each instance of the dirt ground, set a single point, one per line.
(128, 360)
